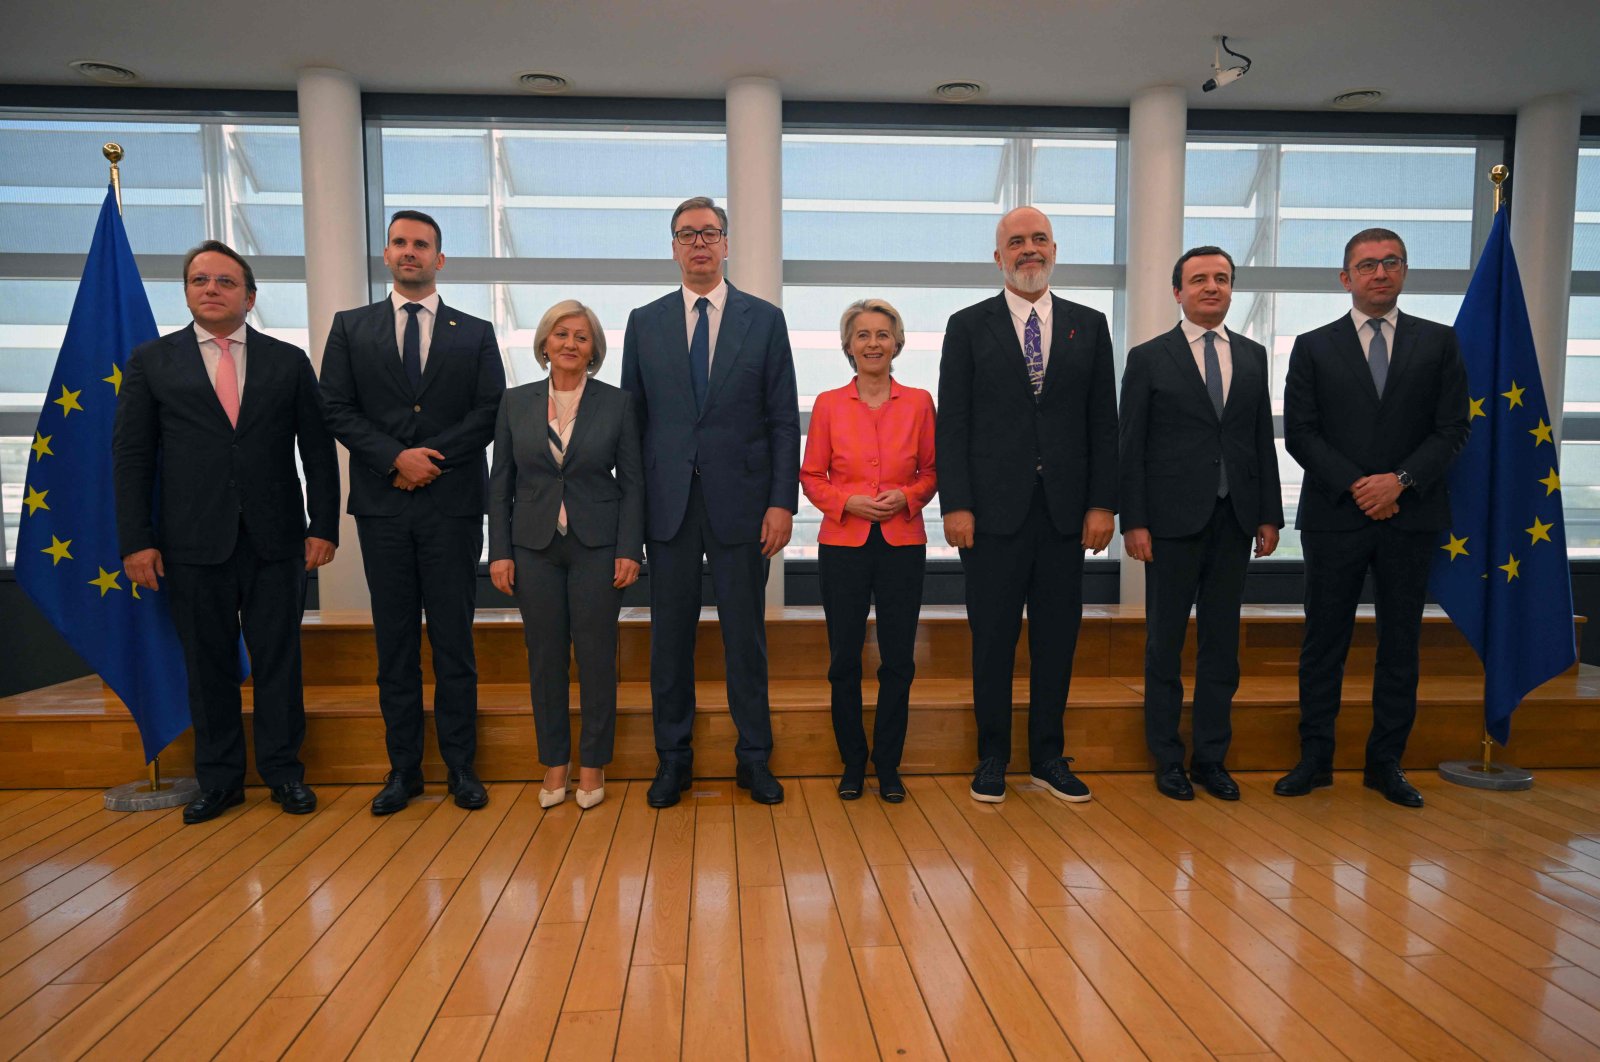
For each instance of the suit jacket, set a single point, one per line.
(745, 442)
(1338, 429)
(1174, 446)
(171, 428)
(851, 449)
(993, 434)
(373, 409)
(527, 487)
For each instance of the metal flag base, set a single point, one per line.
(1474, 774)
(136, 796)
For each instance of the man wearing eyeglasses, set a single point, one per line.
(215, 412)
(712, 377)
(1375, 410)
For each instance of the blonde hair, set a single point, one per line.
(847, 323)
(559, 312)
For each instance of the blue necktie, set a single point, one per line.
(700, 353)
(1378, 355)
(1214, 389)
(1033, 352)
(411, 349)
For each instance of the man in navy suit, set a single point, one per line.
(411, 386)
(713, 383)
(216, 411)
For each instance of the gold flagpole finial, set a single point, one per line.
(1498, 175)
(113, 154)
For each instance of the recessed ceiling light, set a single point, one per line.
(958, 91)
(548, 84)
(1356, 99)
(110, 73)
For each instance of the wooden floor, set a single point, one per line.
(1330, 926)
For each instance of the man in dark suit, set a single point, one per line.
(231, 538)
(1199, 479)
(1375, 410)
(1027, 444)
(713, 383)
(411, 387)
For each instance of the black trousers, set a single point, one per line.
(211, 603)
(1337, 563)
(739, 577)
(1204, 571)
(424, 560)
(1041, 568)
(569, 605)
(854, 579)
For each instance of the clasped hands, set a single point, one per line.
(415, 467)
(877, 509)
(1378, 496)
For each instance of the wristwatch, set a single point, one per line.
(1405, 478)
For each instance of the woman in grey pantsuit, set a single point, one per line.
(566, 526)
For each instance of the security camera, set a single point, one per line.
(1225, 75)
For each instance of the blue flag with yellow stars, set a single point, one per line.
(67, 554)
(1502, 573)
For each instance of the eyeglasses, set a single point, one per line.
(1368, 266)
(712, 236)
(199, 281)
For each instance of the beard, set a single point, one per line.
(1033, 281)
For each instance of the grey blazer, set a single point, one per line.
(601, 480)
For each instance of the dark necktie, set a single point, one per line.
(1214, 389)
(700, 353)
(1378, 355)
(1033, 352)
(411, 348)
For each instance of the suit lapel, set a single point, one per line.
(194, 367)
(1005, 336)
(442, 340)
(590, 406)
(1244, 370)
(730, 342)
(1183, 360)
(670, 324)
(1347, 349)
(258, 363)
(1063, 329)
(1405, 338)
(381, 330)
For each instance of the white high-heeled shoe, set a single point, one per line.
(549, 798)
(588, 798)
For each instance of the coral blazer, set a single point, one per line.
(854, 449)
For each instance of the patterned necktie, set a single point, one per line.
(700, 353)
(1378, 355)
(228, 381)
(411, 349)
(1214, 389)
(1033, 351)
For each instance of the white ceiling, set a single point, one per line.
(1445, 55)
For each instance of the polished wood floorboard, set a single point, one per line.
(1331, 926)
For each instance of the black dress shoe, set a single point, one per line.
(296, 798)
(1215, 779)
(852, 782)
(211, 803)
(398, 789)
(1305, 777)
(890, 788)
(463, 784)
(764, 788)
(1172, 782)
(672, 778)
(1390, 780)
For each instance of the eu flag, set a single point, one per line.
(67, 555)
(1502, 573)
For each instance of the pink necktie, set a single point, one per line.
(228, 381)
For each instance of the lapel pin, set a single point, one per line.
(1072, 333)
(452, 324)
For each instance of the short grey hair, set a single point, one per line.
(700, 202)
(560, 312)
(847, 323)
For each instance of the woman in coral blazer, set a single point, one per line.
(869, 468)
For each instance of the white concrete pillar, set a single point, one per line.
(1157, 132)
(755, 210)
(1544, 191)
(333, 184)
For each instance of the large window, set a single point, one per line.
(1580, 431)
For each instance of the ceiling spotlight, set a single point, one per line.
(110, 73)
(1225, 75)
(546, 84)
(958, 91)
(1356, 99)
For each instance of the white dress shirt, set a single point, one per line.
(1021, 308)
(430, 310)
(210, 353)
(1364, 330)
(719, 299)
(1196, 335)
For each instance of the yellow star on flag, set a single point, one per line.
(1540, 531)
(68, 401)
(1514, 396)
(35, 500)
(135, 588)
(41, 446)
(107, 581)
(1541, 434)
(58, 550)
(1552, 483)
(1475, 408)
(115, 379)
(1510, 567)
(1456, 547)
